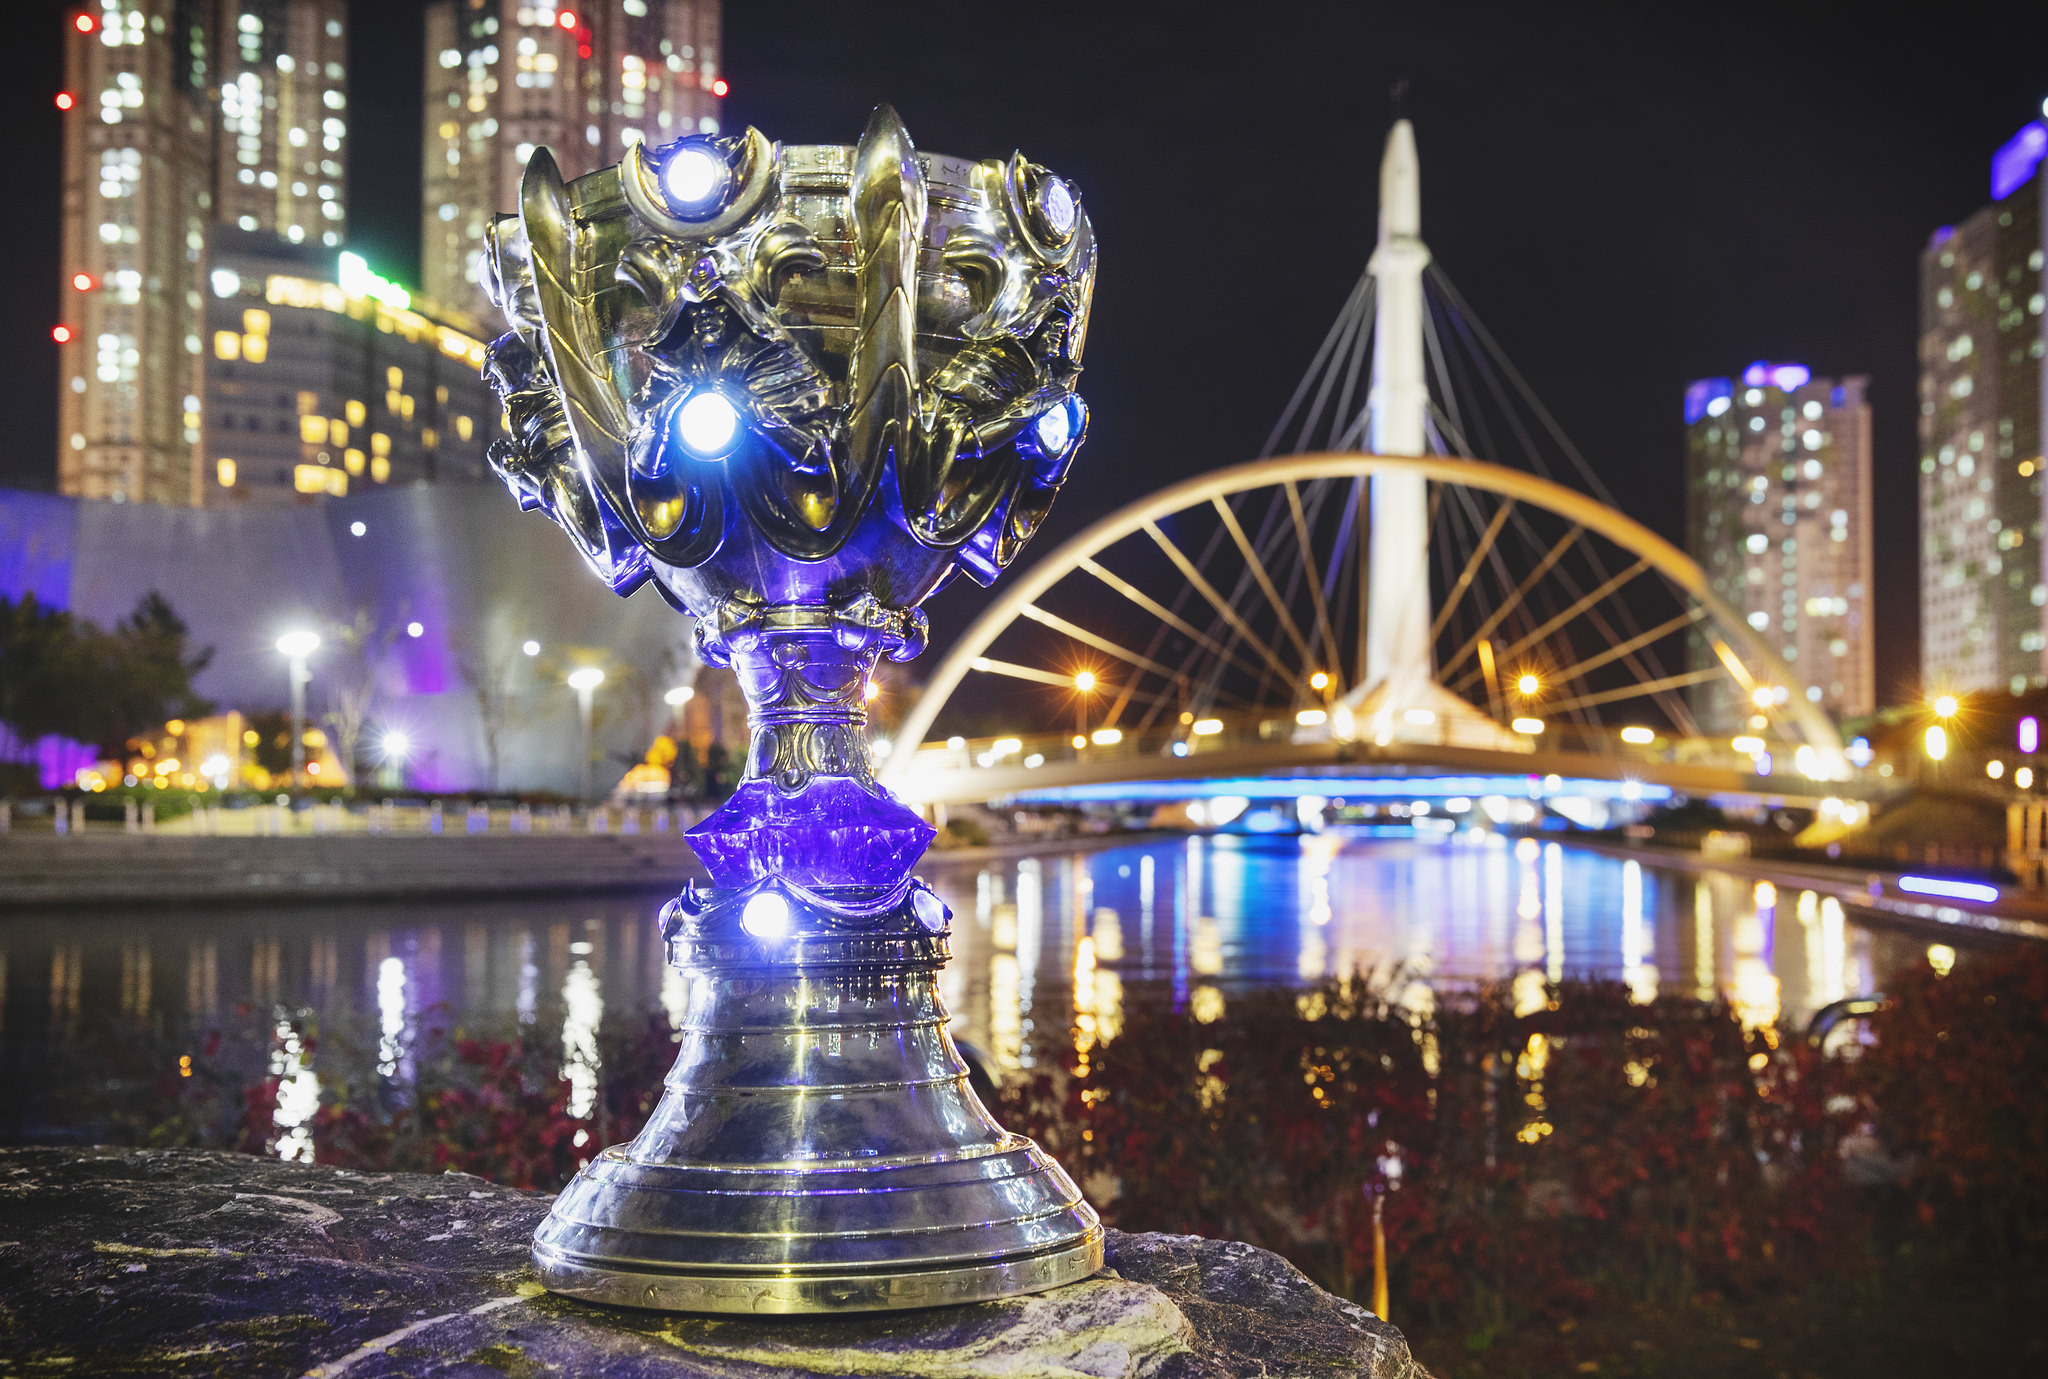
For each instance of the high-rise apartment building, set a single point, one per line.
(1982, 581)
(280, 139)
(180, 115)
(1778, 515)
(583, 80)
(135, 209)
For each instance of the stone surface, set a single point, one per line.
(177, 1262)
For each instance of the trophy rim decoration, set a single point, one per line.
(799, 388)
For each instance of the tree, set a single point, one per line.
(352, 681)
(62, 674)
(489, 660)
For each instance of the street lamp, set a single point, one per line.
(296, 647)
(585, 680)
(1945, 706)
(1527, 686)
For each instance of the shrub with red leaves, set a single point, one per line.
(1957, 1083)
(1591, 1150)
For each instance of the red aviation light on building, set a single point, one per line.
(84, 23)
(567, 19)
(719, 88)
(65, 100)
(61, 334)
(82, 281)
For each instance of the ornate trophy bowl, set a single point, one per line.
(798, 389)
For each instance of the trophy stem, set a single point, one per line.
(817, 1147)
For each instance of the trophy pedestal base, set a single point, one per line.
(826, 1239)
(766, 1294)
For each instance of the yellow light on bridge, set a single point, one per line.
(1994, 769)
(1319, 680)
(1531, 726)
(2024, 778)
(1106, 737)
(1420, 718)
(1085, 681)
(1207, 727)
(1079, 741)
(1762, 696)
(1309, 718)
(1937, 742)
(1528, 684)
(1004, 746)
(1748, 746)
(1945, 706)
(1641, 737)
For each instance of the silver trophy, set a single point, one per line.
(798, 389)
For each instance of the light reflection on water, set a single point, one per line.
(1047, 947)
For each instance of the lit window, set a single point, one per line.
(256, 322)
(380, 444)
(464, 427)
(313, 430)
(380, 469)
(224, 470)
(352, 460)
(255, 348)
(337, 430)
(227, 345)
(355, 412)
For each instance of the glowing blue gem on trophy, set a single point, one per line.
(797, 389)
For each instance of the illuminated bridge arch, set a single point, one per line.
(1224, 614)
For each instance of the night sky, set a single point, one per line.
(1629, 196)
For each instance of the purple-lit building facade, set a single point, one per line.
(455, 560)
(1778, 515)
(1983, 578)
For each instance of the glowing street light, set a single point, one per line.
(296, 646)
(585, 680)
(1945, 707)
(1528, 685)
(1763, 696)
(1084, 685)
(1319, 680)
(1937, 742)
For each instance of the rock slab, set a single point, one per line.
(186, 1262)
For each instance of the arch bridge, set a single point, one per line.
(1213, 638)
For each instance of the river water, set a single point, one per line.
(1046, 945)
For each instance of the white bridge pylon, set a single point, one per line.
(1400, 681)
(1279, 632)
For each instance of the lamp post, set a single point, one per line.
(296, 647)
(677, 699)
(585, 680)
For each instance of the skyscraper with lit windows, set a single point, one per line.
(135, 206)
(583, 80)
(1982, 581)
(281, 84)
(180, 115)
(1778, 515)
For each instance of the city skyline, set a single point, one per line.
(1823, 279)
